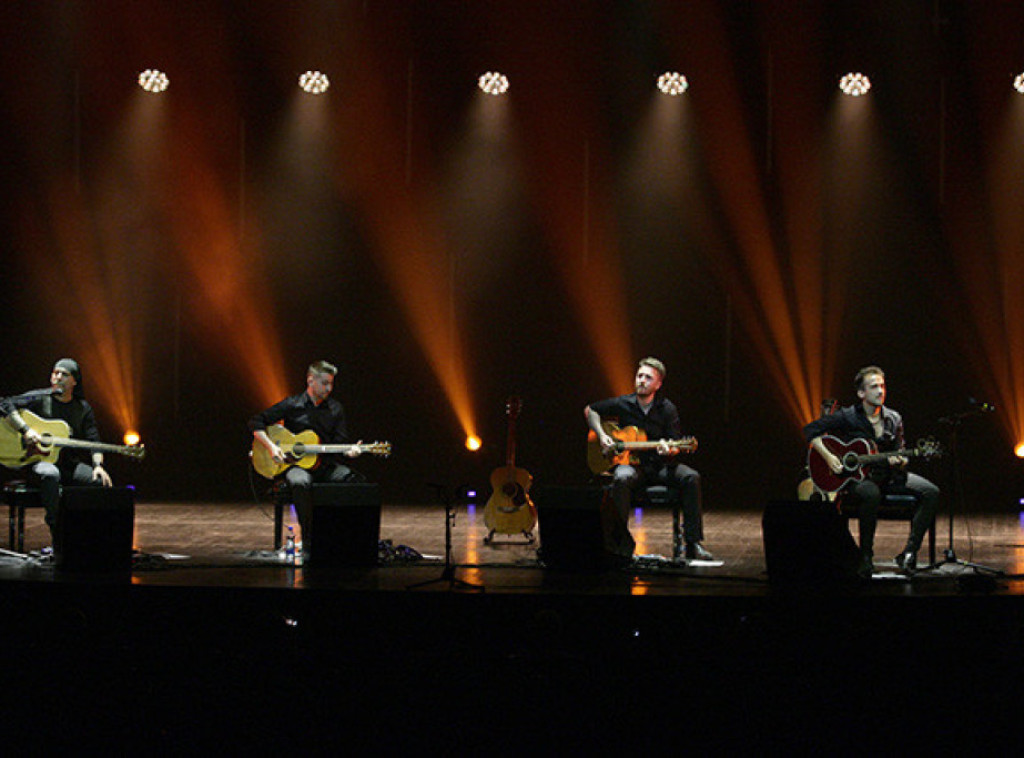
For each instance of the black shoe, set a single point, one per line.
(697, 552)
(907, 560)
(867, 567)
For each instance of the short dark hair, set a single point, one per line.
(858, 381)
(655, 364)
(322, 367)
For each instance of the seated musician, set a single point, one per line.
(313, 410)
(871, 420)
(657, 416)
(64, 400)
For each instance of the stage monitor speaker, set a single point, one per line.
(569, 521)
(95, 528)
(806, 542)
(344, 526)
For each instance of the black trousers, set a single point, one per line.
(869, 494)
(627, 479)
(49, 477)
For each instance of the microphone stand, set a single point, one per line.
(955, 421)
(448, 574)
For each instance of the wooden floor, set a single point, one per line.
(195, 544)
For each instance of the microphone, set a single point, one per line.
(983, 407)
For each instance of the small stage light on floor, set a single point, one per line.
(1018, 83)
(131, 437)
(473, 443)
(1019, 450)
(152, 80)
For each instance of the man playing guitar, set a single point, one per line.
(658, 418)
(871, 420)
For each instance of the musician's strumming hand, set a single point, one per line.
(833, 463)
(32, 438)
(607, 444)
(355, 451)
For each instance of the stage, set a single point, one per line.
(211, 640)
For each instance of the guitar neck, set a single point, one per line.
(867, 458)
(99, 447)
(329, 449)
(652, 444)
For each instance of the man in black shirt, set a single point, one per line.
(871, 420)
(658, 418)
(65, 401)
(313, 410)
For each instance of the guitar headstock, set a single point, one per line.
(928, 447)
(138, 452)
(688, 445)
(513, 407)
(378, 448)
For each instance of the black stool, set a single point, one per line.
(17, 496)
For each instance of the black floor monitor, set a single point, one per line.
(569, 520)
(95, 529)
(345, 525)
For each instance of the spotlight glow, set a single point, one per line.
(473, 443)
(673, 83)
(1019, 450)
(152, 80)
(855, 85)
(1018, 83)
(493, 83)
(131, 437)
(314, 82)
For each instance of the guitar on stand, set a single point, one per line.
(857, 456)
(54, 435)
(628, 440)
(509, 509)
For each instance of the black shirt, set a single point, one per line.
(660, 422)
(300, 413)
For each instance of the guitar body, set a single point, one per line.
(13, 453)
(826, 480)
(629, 440)
(292, 445)
(509, 509)
(303, 449)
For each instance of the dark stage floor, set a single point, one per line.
(214, 645)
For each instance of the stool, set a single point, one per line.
(662, 496)
(17, 496)
(895, 506)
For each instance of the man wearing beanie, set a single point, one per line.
(64, 400)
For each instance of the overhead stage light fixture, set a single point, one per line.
(314, 82)
(1018, 83)
(152, 80)
(493, 83)
(855, 85)
(673, 83)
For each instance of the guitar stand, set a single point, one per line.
(955, 421)
(527, 534)
(448, 574)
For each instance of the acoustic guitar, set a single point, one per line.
(856, 456)
(628, 440)
(303, 450)
(509, 509)
(55, 435)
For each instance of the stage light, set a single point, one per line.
(855, 84)
(152, 80)
(493, 83)
(1019, 450)
(673, 83)
(314, 82)
(1018, 83)
(131, 437)
(473, 443)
